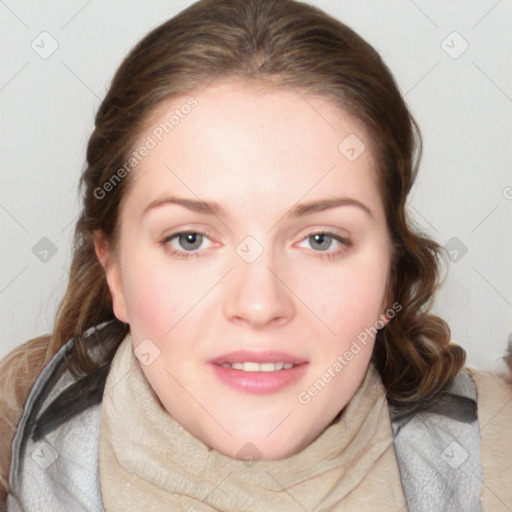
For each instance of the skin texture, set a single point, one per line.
(257, 152)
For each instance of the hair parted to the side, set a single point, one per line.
(280, 43)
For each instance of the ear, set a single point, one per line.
(110, 264)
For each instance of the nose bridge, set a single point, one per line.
(257, 293)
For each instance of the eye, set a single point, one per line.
(188, 243)
(324, 240)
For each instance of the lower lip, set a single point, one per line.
(259, 383)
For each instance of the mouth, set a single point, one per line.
(258, 372)
(261, 358)
(251, 366)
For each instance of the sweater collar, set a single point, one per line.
(148, 460)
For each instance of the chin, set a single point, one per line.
(260, 449)
(265, 443)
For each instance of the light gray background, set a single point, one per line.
(463, 104)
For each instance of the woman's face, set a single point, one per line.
(269, 272)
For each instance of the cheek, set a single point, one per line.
(350, 305)
(349, 299)
(151, 295)
(164, 296)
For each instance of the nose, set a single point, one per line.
(258, 295)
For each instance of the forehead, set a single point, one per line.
(241, 142)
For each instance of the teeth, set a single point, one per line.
(257, 367)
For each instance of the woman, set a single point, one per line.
(252, 369)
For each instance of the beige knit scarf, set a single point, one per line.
(148, 462)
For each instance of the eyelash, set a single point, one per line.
(346, 243)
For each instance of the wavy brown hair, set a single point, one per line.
(277, 43)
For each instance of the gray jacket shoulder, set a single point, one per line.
(58, 472)
(438, 452)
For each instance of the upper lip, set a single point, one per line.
(242, 356)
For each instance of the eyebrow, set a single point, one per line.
(299, 210)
